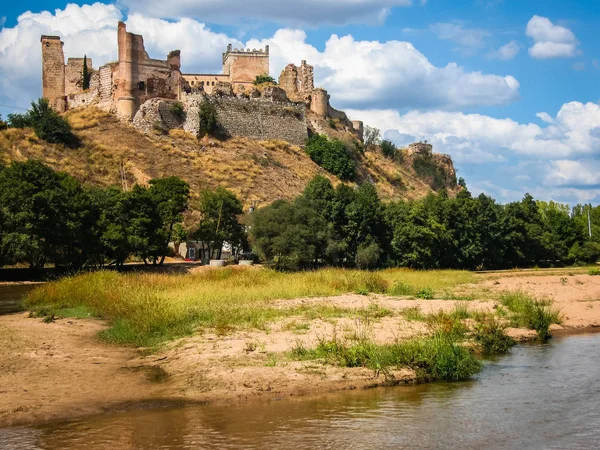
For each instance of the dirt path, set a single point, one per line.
(62, 370)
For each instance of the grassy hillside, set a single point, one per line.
(113, 152)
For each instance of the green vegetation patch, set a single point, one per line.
(528, 312)
(437, 357)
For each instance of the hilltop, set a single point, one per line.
(115, 153)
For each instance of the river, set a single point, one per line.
(538, 396)
(11, 295)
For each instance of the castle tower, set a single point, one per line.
(243, 66)
(126, 82)
(53, 72)
(319, 102)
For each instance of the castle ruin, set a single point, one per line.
(124, 86)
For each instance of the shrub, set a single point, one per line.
(332, 124)
(594, 272)
(208, 119)
(331, 156)
(47, 124)
(264, 78)
(3, 124)
(490, 333)
(177, 110)
(425, 294)
(388, 149)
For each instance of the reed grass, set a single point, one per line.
(528, 312)
(435, 357)
(148, 309)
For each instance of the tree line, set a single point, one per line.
(343, 226)
(49, 217)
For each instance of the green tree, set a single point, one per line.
(3, 124)
(47, 124)
(331, 156)
(371, 136)
(47, 217)
(388, 149)
(85, 75)
(171, 198)
(288, 235)
(264, 78)
(208, 119)
(220, 210)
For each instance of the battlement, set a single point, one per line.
(244, 52)
(49, 38)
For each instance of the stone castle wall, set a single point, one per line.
(53, 72)
(243, 66)
(254, 119)
(74, 75)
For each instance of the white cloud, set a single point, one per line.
(469, 40)
(545, 117)
(571, 133)
(578, 66)
(574, 173)
(550, 40)
(506, 52)
(358, 74)
(366, 74)
(559, 161)
(309, 12)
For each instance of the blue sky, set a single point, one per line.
(509, 89)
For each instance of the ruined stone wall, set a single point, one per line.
(243, 66)
(140, 77)
(297, 81)
(53, 72)
(74, 75)
(204, 82)
(254, 119)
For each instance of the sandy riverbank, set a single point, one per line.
(52, 371)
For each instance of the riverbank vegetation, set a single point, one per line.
(147, 309)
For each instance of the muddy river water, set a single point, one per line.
(538, 396)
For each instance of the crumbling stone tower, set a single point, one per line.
(53, 72)
(243, 66)
(319, 102)
(298, 82)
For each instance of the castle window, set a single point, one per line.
(142, 86)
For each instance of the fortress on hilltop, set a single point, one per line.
(140, 89)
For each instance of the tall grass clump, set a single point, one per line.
(490, 333)
(148, 309)
(528, 312)
(594, 272)
(436, 357)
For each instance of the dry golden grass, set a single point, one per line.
(84, 118)
(259, 171)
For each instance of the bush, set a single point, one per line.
(47, 124)
(425, 294)
(178, 111)
(208, 119)
(388, 149)
(265, 78)
(594, 272)
(490, 334)
(332, 124)
(331, 156)
(3, 124)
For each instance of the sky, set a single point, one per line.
(511, 90)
